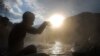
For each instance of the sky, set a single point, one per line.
(44, 8)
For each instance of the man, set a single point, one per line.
(18, 33)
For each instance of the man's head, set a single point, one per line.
(28, 18)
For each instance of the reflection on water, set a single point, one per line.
(55, 49)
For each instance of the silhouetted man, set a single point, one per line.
(18, 33)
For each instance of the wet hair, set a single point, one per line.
(26, 14)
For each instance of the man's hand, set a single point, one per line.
(47, 23)
(39, 30)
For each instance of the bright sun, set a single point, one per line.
(56, 20)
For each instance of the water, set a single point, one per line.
(56, 49)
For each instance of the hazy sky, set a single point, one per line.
(44, 8)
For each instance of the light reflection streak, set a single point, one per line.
(57, 48)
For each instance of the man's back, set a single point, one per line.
(16, 38)
(18, 33)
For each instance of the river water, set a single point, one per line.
(55, 49)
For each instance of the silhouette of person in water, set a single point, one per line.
(18, 33)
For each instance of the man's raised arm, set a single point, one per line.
(39, 30)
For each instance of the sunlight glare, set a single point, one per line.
(56, 20)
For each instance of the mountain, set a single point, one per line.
(83, 31)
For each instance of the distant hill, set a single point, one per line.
(83, 30)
